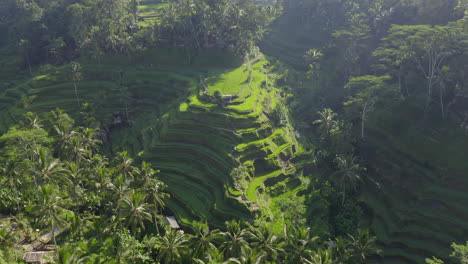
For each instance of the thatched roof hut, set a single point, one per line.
(38, 257)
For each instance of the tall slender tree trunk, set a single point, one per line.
(126, 111)
(156, 222)
(399, 84)
(441, 95)
(344, 194)
(29, 63)
(363, 120)
(76, 92)
(429, 93)
(53, 237)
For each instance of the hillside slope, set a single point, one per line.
(214, 155)
(418, 208)
(416, 196)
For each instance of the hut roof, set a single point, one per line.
(172, 222)
(41, 257)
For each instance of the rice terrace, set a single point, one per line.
(234, 131)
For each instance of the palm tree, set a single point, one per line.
(327, 123)
(65, 137)
(172, 246)
(265, 240)
(348, 173)
(50, 209)
(202, 241)
(74, 181)
(125, 167)
(7, 241)
(252, 256)
(146, 174)
(12, 177)
(214, 256)
(155, 195)
(75, 73)
(89, 141)
(24, 45)
(125, 97)
(134, 211)
(299, 243)
(47, 168)
(32, 121)
(362, 246)
(235, 243)
(321, 256)
(119, 189)
(340, 249)
(73, 254)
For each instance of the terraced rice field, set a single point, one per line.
(196, 143)
(199, 144)
(419, 207)
(149, 11)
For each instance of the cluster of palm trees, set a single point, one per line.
(53, 179)
(347, 170)
(198, 24)
(52, 175)
(239, 243)
(259, 243)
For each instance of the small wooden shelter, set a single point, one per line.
(228, 98)
(39, 257)
(172, 222)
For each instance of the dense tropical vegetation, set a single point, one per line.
(276, 131)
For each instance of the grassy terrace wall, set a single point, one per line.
(196, 142)
(419, 207)
(200, 145)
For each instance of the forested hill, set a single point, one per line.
(385, 67)
(234, 131)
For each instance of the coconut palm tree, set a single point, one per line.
(172, 246)
(47, 168)
(327, 123)
(119, 189)
(252, 256)
(321, 256)
(214, 256)
(50, 209)
(73, 254)
(155, 195)
(202, 242)
(7, 241)
(12, 179)
(74, 181)
(125, 167)
(75, 73)
(234, 243)
(134, 211)
(340, 249)
(125, 97)
(146, 174)
(264, 239)
(32, 121)
(89, 141)
(348, 173)
(362, 246)
(299, 243)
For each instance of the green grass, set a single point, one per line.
(257, 182)
(420, 171)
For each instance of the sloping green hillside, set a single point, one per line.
(417, 207)
(215, 155)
